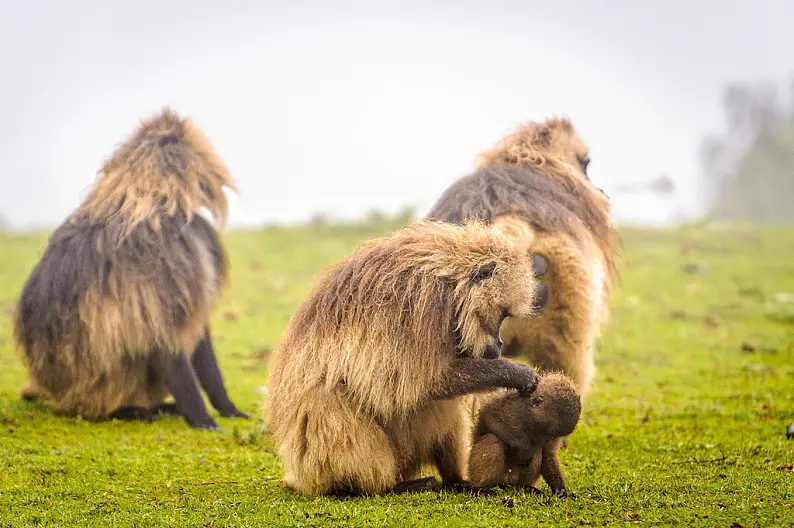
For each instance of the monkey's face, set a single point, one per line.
(557, 143)
(570, 147)
(495, 291)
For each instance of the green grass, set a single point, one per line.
(683, 427)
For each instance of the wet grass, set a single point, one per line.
(685, 426)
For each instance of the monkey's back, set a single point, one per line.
(100, 295)
(544, 202)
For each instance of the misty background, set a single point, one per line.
(341, 108)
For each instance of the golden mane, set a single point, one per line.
(553, 148)
(166, 167)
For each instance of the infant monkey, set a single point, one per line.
(518, 437)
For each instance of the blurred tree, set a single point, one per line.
(749, 170)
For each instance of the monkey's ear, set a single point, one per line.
(483, 272)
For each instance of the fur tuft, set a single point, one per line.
(167, 167)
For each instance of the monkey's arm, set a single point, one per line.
(209, 375)
(551, 470)
(468, 375)
(512, 434)
(183, 386)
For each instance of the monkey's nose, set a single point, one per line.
(541, 298)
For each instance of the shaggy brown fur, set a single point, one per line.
(517, 438)
(367, 384)
(533, 187)
(116, 314)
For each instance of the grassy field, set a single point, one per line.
(685, 426)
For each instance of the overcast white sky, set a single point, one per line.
(342, 107)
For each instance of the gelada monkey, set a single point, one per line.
(115, 316)
(368, 382)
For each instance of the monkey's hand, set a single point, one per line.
(526, 379)
(562, 492)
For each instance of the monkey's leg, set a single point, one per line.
(487, 463)
(209, 374)
(468, 375)
(183, 386)
(448, 457)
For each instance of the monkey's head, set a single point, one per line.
(552, 146)
(554, 407)
(166, 167)
(495, 280)
(429, 285)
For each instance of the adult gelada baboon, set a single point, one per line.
(367, 384)
(533, 187)
(115, 316)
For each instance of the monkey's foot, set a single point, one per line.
(234, 412)
(466, 487)
(344, 492)
(460, 486)
(416, 485)
(483, 492)
(167, 408)
(207, 424)
(172, 409)
(132, 413)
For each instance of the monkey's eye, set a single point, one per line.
(537, 400)
(483, 272)
(584, 161)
